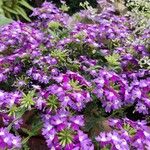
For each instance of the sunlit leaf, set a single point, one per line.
(27, 5)
(10, 10)
(22, 13)
(4, 20)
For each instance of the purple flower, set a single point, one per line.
(72, 92)
(139, 93)
(126, 134)
(2, 77)
(64, 132)
(49, 13)
(111, 89)
(8, 140)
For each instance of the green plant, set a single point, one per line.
(15, 9)
(3, 19)
(140, 12)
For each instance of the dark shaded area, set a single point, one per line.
(36, 143)
(73, 4)
(135, 116)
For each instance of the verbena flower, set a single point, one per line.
(74, 90)
(18, 41)
(111, 89)
(126, 134)
(49, 13)
(63, 131)
(140, 91)
(8, 140)
(60, 66)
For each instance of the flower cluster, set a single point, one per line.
(8, 105)
(63, 131)
(8, 140)
(126, 135)
(88, 65)
(70, 74)
(18, 40)
(49, 13)
(111, 89)
(74, 91)
(140, 91)
(18, 37)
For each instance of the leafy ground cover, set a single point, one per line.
(76, 82)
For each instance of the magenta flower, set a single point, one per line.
(111, 89)
(8, 140)
(72, 90)
(63, 131)
(126, 134)
(49, 13)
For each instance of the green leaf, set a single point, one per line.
(59, 54)
(12, 110)
(8, 14)
(27, 100)
(25, 140)
(113, 60)
(4, 20)
(1, 9)
(22, 13)
(36, 124)
(105, 148)
(10, 10)
(37, 127)
(54, 25)
(20, 112)
(64, 8)
(26, 131)
(27, 5)
(25, 146)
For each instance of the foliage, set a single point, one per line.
(4, 20)
(15, 9)
(140, 12)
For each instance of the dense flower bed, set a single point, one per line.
(84, 78)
